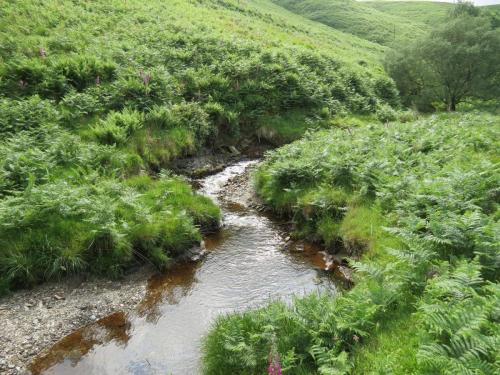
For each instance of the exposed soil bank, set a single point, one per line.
(208, 162)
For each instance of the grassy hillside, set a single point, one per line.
(420, 200)
(358, 19)
(426, 12)
(97, 98)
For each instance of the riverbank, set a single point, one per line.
(418, 201)
(162, 333)
(34, 319)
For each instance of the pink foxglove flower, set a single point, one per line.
(146, 78)
(274, 365)
(274, 360)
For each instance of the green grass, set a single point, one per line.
(425, 12)
(359, 19)
(392, 348)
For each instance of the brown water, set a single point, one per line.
(248, 263)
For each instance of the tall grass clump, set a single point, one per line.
(94, 224)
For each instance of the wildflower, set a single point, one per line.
(274, 359)
(146, 77)
(274, 364)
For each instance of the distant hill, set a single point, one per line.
(427, 12)
(359, 18)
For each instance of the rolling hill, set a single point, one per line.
(426, 12)
(360, 19)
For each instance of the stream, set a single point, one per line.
(249, 262)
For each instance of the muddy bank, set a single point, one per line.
(208, 161)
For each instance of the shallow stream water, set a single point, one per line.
(248, 262)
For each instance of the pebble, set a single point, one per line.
(37, 318)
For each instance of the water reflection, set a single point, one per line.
(169, 288)
(114, 327)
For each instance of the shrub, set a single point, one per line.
(142, 89)
(385, 89)
(82, 71)
(77, 105)
(184, 115)
(118, 126)
(54, 76)
(459, 312)
(30, 113)
(386, 114)
(108, 133)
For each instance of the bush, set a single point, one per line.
(82, 71)
(118, 126)
(183, 115)
(459, 312)
(30, 113)
(192, 116)
(385, 89)
(77, 105)
(386, 114)
(54, 76)
(142, 89)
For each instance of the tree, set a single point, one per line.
(456, 61)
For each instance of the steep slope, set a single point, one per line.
(97, 98)
(357, 19)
